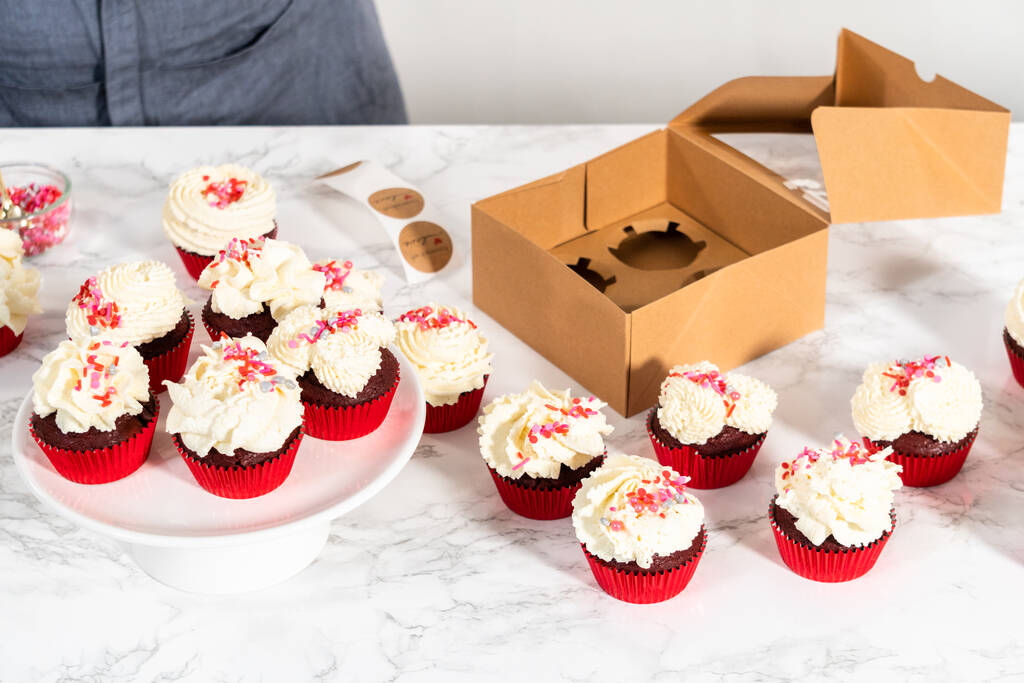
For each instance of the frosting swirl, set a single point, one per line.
(341, 348)
(19, 284)
(631, 509)
(1014, 316)
(90, 383)
(697, 402)
(130, 302)
(933, 395)
(234, 396)
(209, 205)
(250, 273)
(845, 491)
(347, 287)
(536, 432)
(446, 349)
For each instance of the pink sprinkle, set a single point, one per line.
(521, 463)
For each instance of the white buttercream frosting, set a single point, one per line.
(697, 402)
(631, 509)
(209, 205)
(933, 395)
(90, 383)
(1014, 316)
(342, 348)
(131, 302)
(446, 349)
(245, 275)
(844, 491)
(347, 287)
(536, 432)
(19, 284)
(234, 396)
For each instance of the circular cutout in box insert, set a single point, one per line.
(583, 269)
(657, 245)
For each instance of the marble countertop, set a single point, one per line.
(434, 579)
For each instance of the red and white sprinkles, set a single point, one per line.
(240, 251)
(557, 427)
(100, 313)
(39, 233)
(715, 381)
(97, 376)
(221, 194)
(655, 497)
(902, 373)
(429, 319)
(841, 449)
(336, 275)
(252, 366)
(342, 321)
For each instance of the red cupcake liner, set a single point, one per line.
(704, 472)
(349, 422)
(929, 470)
(543, 504)
(8, 340)
(642, 587)
(171, 364)
(100, 466)
(827, 566)
(196, 263)
(239, 482)
(459, 414)
(1016, 361)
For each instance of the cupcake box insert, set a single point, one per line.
(676, 247)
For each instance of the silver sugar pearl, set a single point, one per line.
(605, 522)
(266, 386)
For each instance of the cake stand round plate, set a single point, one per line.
(195, 541)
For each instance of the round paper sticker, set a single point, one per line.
(397, 202)
(425, 246)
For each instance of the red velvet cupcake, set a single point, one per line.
(137, 303)
(347, 376)
(708, 425)
(19, 288)
(538, 447)
(236, 419)
(927, 411)
(1013, 333)
(834, 510)
(209, 206)
(93, 412)
(451, 360)
(641, 531)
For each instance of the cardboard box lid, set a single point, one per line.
(891, 145)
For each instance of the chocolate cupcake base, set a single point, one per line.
(666, 577)
(248, 475)
(335, 417)
(926, 461)
(260, 325)
(1015, 352)
(723, 460)
(542, 497)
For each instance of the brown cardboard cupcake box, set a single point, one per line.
(676, 247)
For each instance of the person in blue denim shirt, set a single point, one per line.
(195, 62)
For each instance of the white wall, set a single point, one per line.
(558, 61)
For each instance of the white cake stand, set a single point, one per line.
(192, 540)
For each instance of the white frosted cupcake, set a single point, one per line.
(140, 304)
(833, 511)
(254, 284)
(209, 206)
(926, 410)
(236, 418)
(451, 360)
(710, 425)
(93, 412)
(642, 532)
(347, 375)
(19, 288)
(539, 445)
(348, 287)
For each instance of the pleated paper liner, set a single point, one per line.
(929, 470)
(100, 466)
(239, 482)
(196, 263)
(1016, 360)
(645, 587)
(349, 422)
(451, 417)
(536, 503)
(705, 472)
(8, 340)
(827, 566)
(170, 364)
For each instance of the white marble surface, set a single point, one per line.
(434, 580)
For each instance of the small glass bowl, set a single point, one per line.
(47, 225)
